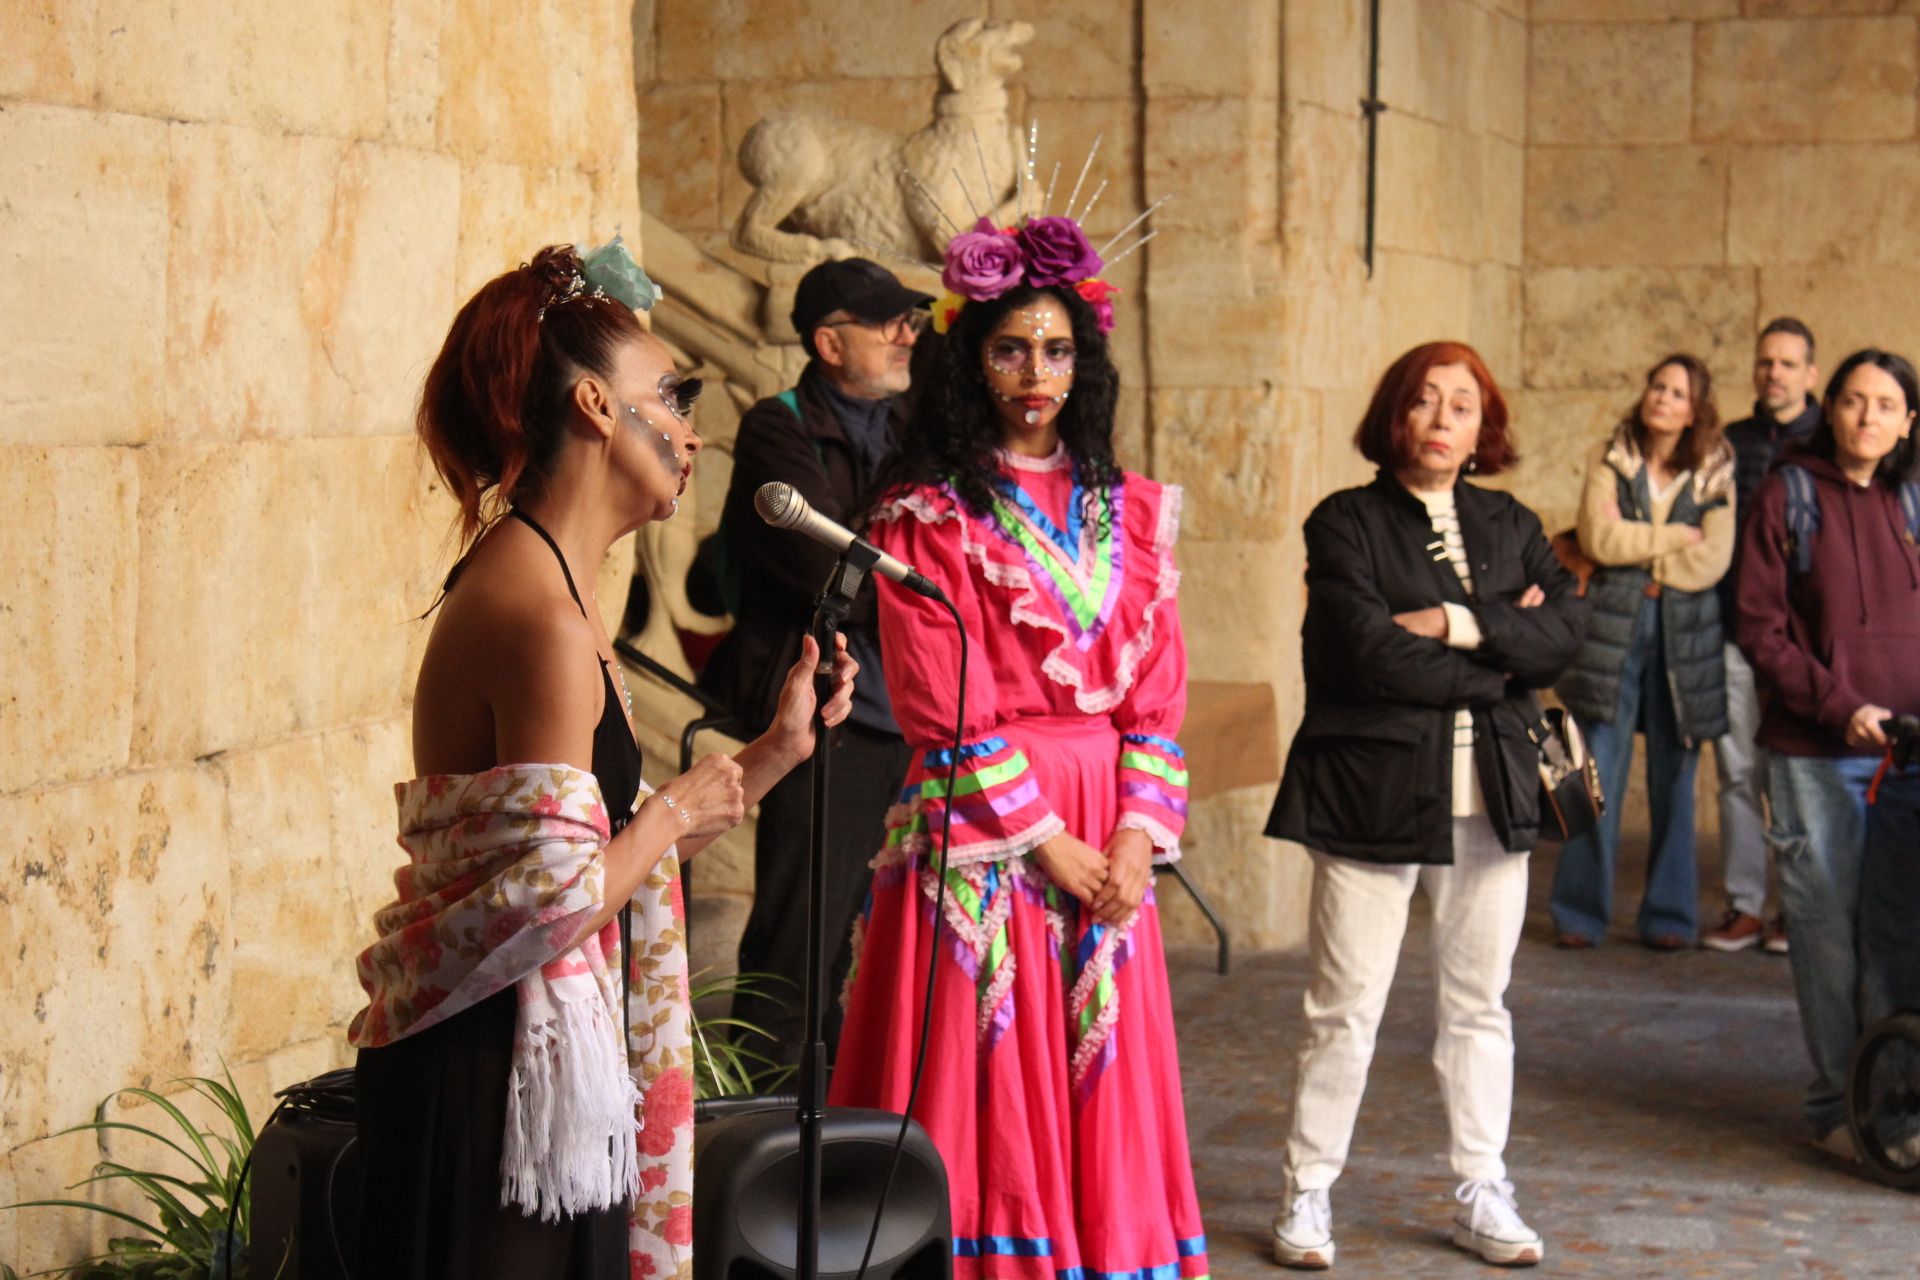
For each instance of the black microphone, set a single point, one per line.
(782, 508)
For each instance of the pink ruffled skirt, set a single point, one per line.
(1052, 1086)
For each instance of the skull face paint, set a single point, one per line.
(674, 446)
(661, 442)
(651, 445)
(1028, 363)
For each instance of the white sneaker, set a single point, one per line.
(1489, 1224)
(1303, 1235)
(1838, 1142)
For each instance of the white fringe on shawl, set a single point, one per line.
(505, 867)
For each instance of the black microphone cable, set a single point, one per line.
(933, 950)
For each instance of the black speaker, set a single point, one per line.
(306, 1197)
(746, 1176)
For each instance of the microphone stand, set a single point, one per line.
(830, 611)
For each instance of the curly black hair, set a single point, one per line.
(955, 428)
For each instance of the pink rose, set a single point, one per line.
(418, 948)
(983, 263)
(1057, 252)
(502, 927)
(640, 1265)
(669, 1108)
(678, 1228)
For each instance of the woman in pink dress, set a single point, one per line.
(1051, 1088)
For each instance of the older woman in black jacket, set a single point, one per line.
(1434, 609)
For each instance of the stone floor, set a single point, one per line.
(1655, 1127)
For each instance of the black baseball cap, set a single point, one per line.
(862, 288)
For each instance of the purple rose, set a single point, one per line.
(983, 263)
(1058, 252)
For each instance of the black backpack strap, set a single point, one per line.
(1803, 516)
(1910, 509)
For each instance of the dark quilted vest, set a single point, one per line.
(1690, 630)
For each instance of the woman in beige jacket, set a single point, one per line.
(1657, 517)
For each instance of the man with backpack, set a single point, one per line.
(1829, 616)
(1785, 413)
(825, 437)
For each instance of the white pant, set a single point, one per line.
(1743, 789)
(1359, 916)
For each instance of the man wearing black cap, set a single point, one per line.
(825, 437)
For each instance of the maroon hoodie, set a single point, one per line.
(1845, 633)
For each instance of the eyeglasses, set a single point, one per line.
(904, 327)
(1011, 355)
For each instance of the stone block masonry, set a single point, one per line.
(218, 527)
(1695, 167)
(232, 239)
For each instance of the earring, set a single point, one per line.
(1473, 464)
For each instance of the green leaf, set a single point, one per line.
(174, 1215)
(132, 1244)
(187, 1126)
(227, 1097)
(103, 1126)
(89, 1207)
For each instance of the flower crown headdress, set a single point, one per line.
(1041, 249)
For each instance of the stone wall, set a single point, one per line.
(1695, 167)
(226, 285)
(1250, 317)
(1267, 333)
(232, 238)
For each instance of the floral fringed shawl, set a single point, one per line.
(505, 866)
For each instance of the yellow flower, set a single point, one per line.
(945, 310)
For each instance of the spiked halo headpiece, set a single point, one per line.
(1041, 248)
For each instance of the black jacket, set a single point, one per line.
(1370, 774)
(1757, 443)
(781, 571)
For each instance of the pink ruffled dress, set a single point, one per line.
(1052, 1087)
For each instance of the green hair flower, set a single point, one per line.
(611, 269)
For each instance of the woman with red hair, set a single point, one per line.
(1434, 609)
(502, 1055)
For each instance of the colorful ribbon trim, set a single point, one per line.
(943, 757)
(1042, 1247)
(1082, 569)
(966, 784)
(1002, 1246)
(1154, 794)
(1155, 765)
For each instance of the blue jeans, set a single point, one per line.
(1819, 838)
(1890, 902)
(1582, 900)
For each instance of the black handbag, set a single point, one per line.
(1571, 802)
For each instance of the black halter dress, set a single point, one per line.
(433, 1114)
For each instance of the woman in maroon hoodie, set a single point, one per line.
(1829, 605)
